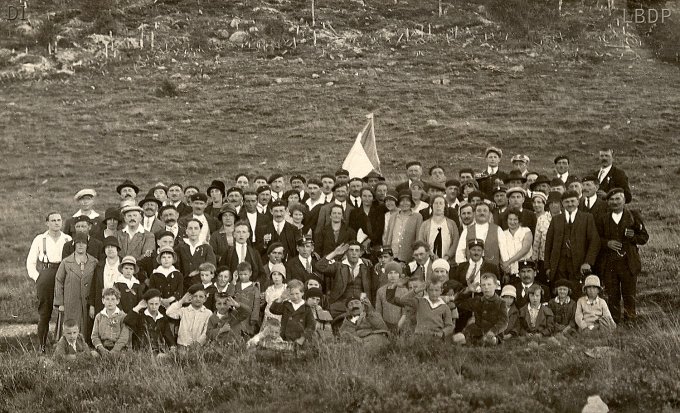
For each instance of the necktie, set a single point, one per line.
(243, 253)
(525, 292)
(600, 175)
(438, 243)
(588, 203)
(356, 203)
(422, 270)
(308, 265)
(278, 228)
(473, 274)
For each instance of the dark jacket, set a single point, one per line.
(490, 314)
(609, 230)
(616, 178)
(170, 286)
(565, 314)
(94, 247)
(189, 263)
(585, 242)
(522, 301)
(324, 240)
(372, 224)
(527, 219)
(294, 323)
(230, 259)
(545, 321)
(147, 333)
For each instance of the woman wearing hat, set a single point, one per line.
(275, 255)
(109, 226)
(105, 274)
(223, 238)
(516, 242)
(402, 230)
(391, 201)
(552, 206)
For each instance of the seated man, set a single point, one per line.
(362, 324)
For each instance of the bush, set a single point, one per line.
(47, 33)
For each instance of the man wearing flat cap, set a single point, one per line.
(590, 202)
(85, 198)
(487, 180)
(621, 231)
(150, 204)
(83, 225)
(128, 192)
(611, 177)
(572, 243)
(414, 171)
(298, 182)
(133, 239)
(198, 203)
(516, 199)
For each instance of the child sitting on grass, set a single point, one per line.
(509, 294)
(535, 319)
(224, 326)
(150, 329)
(313, 297)
(247, 293)
(297, 319)
(564, 308)
(489, 311)
(276, 287)
(72, 345)
(391, 313)
(407, 323)
(130, 288)
(433, 315)
(592, 312)
(109, 333)
(207, 274)
(193, 325)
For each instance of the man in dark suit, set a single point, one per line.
(340, 194)
(264, 197)
(350, 276)
(516, 198)
(301, 267)
(176, 199)
(414, 171)
(487, 178)
(281, 231)
(500, 198)
(297, 182)
(590, 202)
(170, 216)
(527, 278)
(242, 251)
(85, 198)
(192, 253)
(621, 231)
(150, 204)
(259, 223)
(562, 168)
(572, 243)
(198, 203)
(611, 177)
(83, 225)
(421, 266)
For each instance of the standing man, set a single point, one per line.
(128, 192)
(150, 204)
(42, 263)
(339, 198)
(414, 171)
(280, 230)
(198, 203)
(611, 177)
(133, 239)
(297, 182)
(169, 217)
(621, 231)
(84, 197)
(487, 179)
(315, 195)
(176, 199)
(355, 185)
(342, 176)
(521, 163)
(235, 199)
(259, 223)
(571, 244)
(589, 201)
(328, 182)
(562, 168)
(276, 184)
(489, 233)
(241, 251)
(264, 197)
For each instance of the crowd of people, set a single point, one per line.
(478, 258)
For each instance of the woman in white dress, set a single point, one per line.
(518, 243)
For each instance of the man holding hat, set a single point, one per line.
(527, 278)
(414, 171)
(516, 199)
(590, 202)
(85, 198)
(83, 225)
(216, 193)
(198, 203)
(621, 231)
(133, 238)
(128, 192)
(487, 179)
(42, 263)
(572, 243)
(150, 204)
(302, 267)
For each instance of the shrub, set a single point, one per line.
(47, 33)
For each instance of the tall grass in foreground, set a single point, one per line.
(638, 369)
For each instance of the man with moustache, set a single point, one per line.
(259, 223)
(298, 182)
(264, 197)
(340, 194)
(235, 199)
(328, 182)
(315, 195)
(170, 217)
(590, 202)
(133, 239)
(128, 192)
(150, 204)
(610, 177)
(176, 199)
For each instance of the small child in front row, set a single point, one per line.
(297, 319)
(109, 334)
(323, 318)
(207, 274)
(224, 326)
(247, 293)
(592, 312)
(535, 319)
(433, 315)
(150, 329)
(489, 311)
(390, 313)
(564, 308)
(509, 294)
(193, 325)
(130, 288)
(72, 344)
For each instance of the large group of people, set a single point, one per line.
(480, 257)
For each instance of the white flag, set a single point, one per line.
(363, 157)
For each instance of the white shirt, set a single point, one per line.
(304, 261)
(353, 200)
(435, 304)
(261, 208)
(616, 217)
(111, 273)
(52, 254)
(193, 247)
(204, 235)
(298, 305)
(276, 195)
(91, 214)
(140, 230)
(174, 229)
(477, 273)
(513, 244)
(590, 201)
(342, 204)
(481, 232)
(525, 287)
(165, 271)
(278, 226)
(241, 251)
(563, 177)
(603, 172)
(328, 197)
(128, 282)
(570, 217)
(252, 218)
(311, 204)
(491, 170)
(158, 315)
(355, 269)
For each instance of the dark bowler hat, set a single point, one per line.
(216, 184)
(556, 182)
(150, 198)
(127, 184)
(313, 292)
(542, 179)
(526, 264)
(475, 243)
(164, 233)
(111, 242)
(514, 175)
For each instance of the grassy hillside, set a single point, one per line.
(197, 106)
